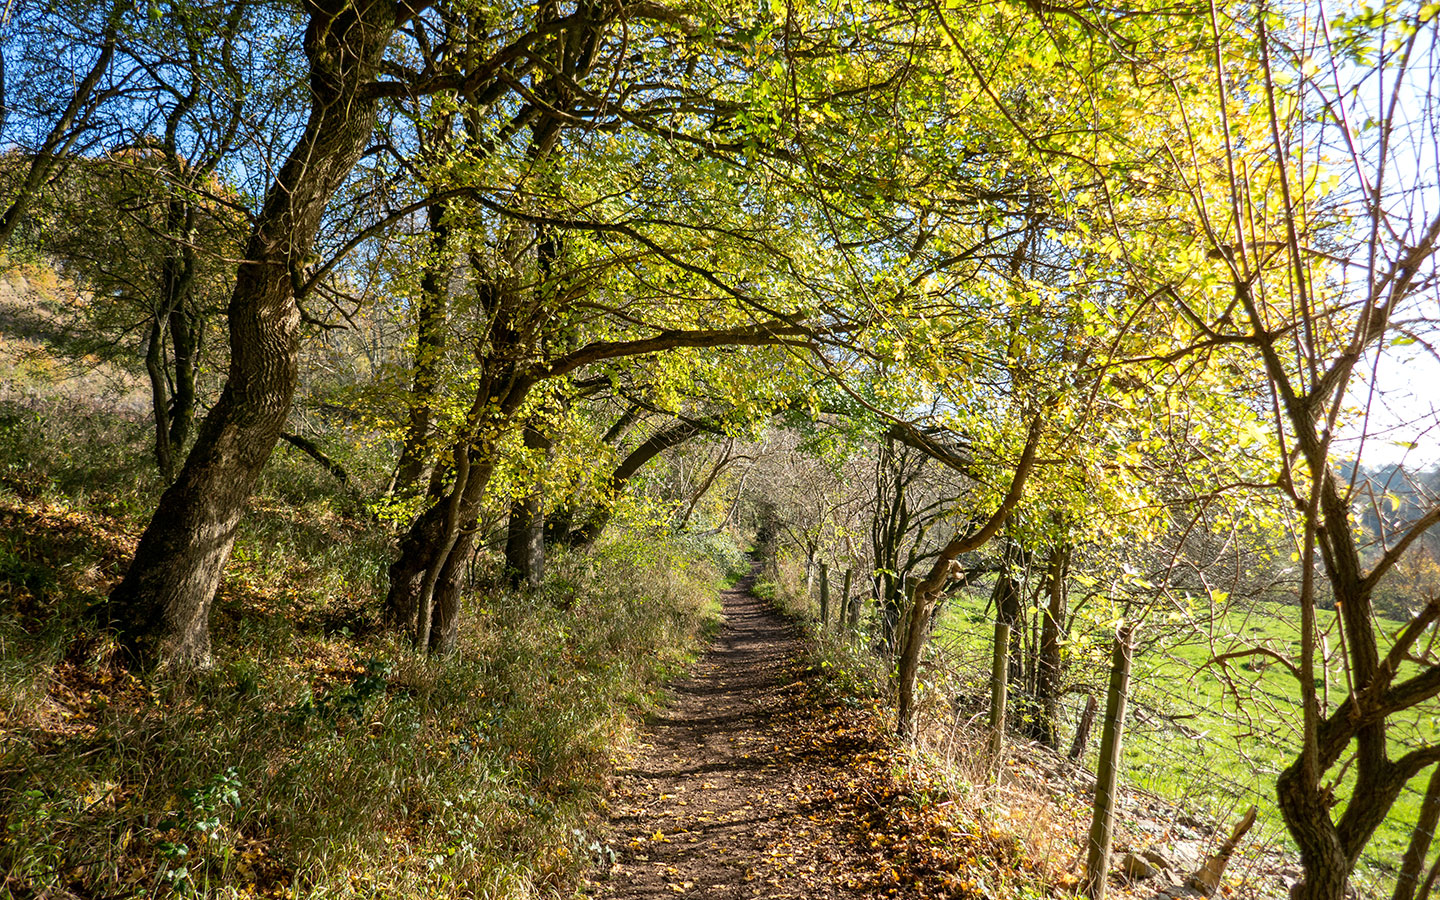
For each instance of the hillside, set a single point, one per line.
(395, 397)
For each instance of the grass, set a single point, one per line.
(320, 757)
(1207, 739)
(841, 658)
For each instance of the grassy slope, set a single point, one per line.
(320, 757)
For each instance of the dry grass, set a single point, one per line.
(320, 756)
(311, 759)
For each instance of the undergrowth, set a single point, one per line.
(319, 757)
(944, 828)
(842, 657)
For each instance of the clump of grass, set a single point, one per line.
(781, 582)
(377, 770)
(319, 756)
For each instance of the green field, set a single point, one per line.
(1212, 740)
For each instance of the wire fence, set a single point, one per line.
(1203, 742)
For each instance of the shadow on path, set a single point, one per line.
(720, 800)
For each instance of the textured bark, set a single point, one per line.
(1331, 837)
(525, 532)
(430, 319)
(424, 551)
(185, 333)
(525, 542)
(173, 397)
(1049, 676)
(1107, 770)
(418, 549)
(162, 606)
(999, 692)
(449, 535)
(445, 622)
(159, 399)
(1413, 863)
(1082, 730)
(1006, 598)
(886, 533)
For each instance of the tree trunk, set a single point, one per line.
(445, 619)
(185, 339)
(525, 542)
(1006, 598)
(162, 606)
(421, 547)
(1048, 676)
(1413, 863)
(1429, 884)
(908, 665)
(174, 413)
(407, 572)
(999, 683)
(824, 596)
(1322, 855)
(449, 535)
(159, 399)
(891, 602)
(430, 319)
(1107, 772)
(525, 535)
(422, 550)
(1082, 730)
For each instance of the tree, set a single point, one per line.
(162, 605)
(50, 148)
(910, 499)
(696, 254)
(927, 590)
(1316, 273)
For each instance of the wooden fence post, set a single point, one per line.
(1102, 826)
(1082, 731)
(845, 616)
(824, 596)
(999, 694)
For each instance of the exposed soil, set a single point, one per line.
(749, 785)
(718, 787)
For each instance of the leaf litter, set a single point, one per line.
(754, 784)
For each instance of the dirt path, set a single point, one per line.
(727, 795)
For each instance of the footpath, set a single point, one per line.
(748, 786)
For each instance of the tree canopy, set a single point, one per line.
(1101, 295)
